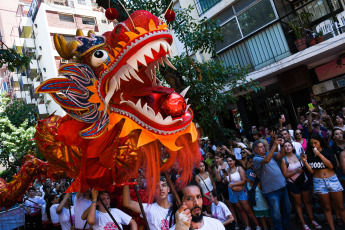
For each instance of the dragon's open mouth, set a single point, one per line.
(143, 99)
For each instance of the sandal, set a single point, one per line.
(305, 227)
(316, 224)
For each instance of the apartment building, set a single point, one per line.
(259, 34)
(38, 21)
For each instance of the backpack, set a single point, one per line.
(251, 193)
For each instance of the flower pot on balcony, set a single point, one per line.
(312, 41)
(301, 44)
(320, 39)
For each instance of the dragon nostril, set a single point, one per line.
(118, 30)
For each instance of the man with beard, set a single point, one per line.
(190, 213)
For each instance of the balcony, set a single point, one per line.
(19, 94)
(29, 43)
(16, 77)
(18, 44)
(265, 43)
(39, 52)
(25, 27)
(42, 109)
(204, 5)
(33, 68)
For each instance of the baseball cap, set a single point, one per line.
(251, 174)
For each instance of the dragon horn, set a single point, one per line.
(79, 32)
(90, 32)
(66, 50)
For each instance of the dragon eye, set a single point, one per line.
(98, 57)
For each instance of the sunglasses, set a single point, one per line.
(298, 133)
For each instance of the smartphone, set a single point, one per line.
(310, 105)
(224, 172)
(283, 117)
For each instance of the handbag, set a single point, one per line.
(302, 177)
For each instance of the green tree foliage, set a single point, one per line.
(15, 140)
(13, 59)
(212, 84)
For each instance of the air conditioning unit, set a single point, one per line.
(63, 61)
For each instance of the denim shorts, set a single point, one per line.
(234, 197)
(326, 185)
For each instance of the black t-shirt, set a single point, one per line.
(316, 163)
(336, 150)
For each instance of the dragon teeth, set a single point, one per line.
(166, 60)
(184, 92)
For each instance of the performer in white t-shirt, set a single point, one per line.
(157, 214)
(81, 202)
(32, 208)
(100, 219)
(53, 203)
(190, 213)
(220, 211)
(66, 212)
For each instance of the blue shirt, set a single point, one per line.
(270, 175)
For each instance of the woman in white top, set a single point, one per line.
(237, 193)
(291, 167)
(53, 203)
(206, 183)
(66, 212)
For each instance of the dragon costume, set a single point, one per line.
(119, 116)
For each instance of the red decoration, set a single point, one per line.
(170, 16)
(111, 14)
(174, 105)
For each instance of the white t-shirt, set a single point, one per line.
(53, 215)
(80, 205)
(44, 214)
(34, 207)
(104, 221)
(220, 211)
(157, 217)
(65, 221)
(209, 224)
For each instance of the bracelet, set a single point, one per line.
(93, 202)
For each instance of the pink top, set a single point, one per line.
(304, 144)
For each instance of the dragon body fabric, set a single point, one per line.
(119, 117)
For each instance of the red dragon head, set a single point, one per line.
(116, 79)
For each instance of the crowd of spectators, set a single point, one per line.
(252, 182)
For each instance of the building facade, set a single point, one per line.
(39, 20)
(259, 34)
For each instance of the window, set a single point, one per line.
(66, 18)
(104, 21)
(205, 5)
(82, 2)
(231, 33)
(256, 17)
(248, 17)
(88, 21)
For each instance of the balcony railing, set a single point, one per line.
(264, 48)
(204, 5)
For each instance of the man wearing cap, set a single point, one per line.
(257, 137)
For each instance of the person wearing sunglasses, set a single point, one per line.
(299, 138)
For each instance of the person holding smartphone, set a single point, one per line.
(320, 161)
